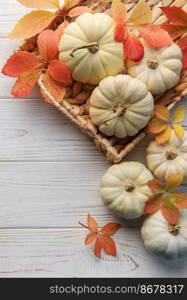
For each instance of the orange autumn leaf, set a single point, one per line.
(31, 24)
(90, 238)
(48, 44)
(110, 228)
(97, 248)
(20, 62)
(182, 43)
(180, 200)
(68, 4)
(141, 14)
(156, 126)
(179, 130)
(108, 245)
(175, 14)
(164, 136)
(77, 11)
(155, 36)
(59, 71)
(92, 224)
(175, 180)
(179, 114)
(119, 12)
(156, 185)
(25, 83)
(153, 204)
(56, 89)
(40, 4)
(170, 213)
(162, 112)
(133, 48)
(60, 30)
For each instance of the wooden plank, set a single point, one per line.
(57, 252)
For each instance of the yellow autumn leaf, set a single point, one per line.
(175, 180)
(164, 136)
(179, 114)
(156, 125)
(71, 3)
(40, 3)
(119, 12)
(31, 24)
(141, 14)
(179, 130)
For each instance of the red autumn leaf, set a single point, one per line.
(90, 238)
(48, 44)
(25, 83)
(175, 14)
(119, 33)
(110, 228)
(98, 248)
(180, 200)
(170, 213)
(20, 62)
(56, 89)
(164, 136)
(153, 203)
(174, 31)
(155, 36)
(182, 43)
(156, 185)
(175, 180)
(161, 112)
(119, 12)
(108, 245)
(92, 224)
(77, 11)
(133, 48)
(156, 126)
(59, 71)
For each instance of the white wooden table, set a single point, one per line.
(49, 181)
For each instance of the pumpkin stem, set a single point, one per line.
(174, 229)
(92, 47)
(118, 111)
(129, 187)
(153, 63)
(170, 155)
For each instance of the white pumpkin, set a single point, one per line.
(121, 106)
(159, 69)
(124, 189)
(169, 158)
(89, 49)
(163, 239)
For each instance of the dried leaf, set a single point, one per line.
(71, 3)
(156, 185)
(156, 126)
(98, 248)
(59, 71)
(155, 36)
(164, 136)
(110, 228)
(25, 83)
(179, 114)
(90, 238)
(119, 12)
(170, 213)
(180, 200)
(175, 14)
(40, 3)
(32, 24)
(161, 112)
(56, 89)
(153, 204)
(20, 62)
(92, 224)
(48, 44)
(174, 181)
(77, 11)
(179, 130)
(119, 33)
(174, 31)
(108, 245)
(133, 48)
(141, 14)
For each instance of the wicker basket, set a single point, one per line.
(75, 105)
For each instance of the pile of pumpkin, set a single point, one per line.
(120, 106)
